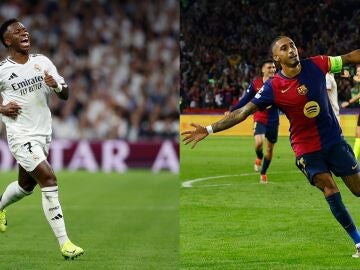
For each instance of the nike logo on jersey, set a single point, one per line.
(285, 90)
(12, 76)
(354, 167)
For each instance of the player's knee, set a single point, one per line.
(49, 180)
(28, 187)
(269, 151)
(258, 146)
(328, 191)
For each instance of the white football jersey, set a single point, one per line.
(25, 85)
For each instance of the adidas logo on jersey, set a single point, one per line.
(12, 76)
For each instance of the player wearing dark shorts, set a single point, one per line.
(299, 90)
(266, 123)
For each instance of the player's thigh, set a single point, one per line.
(269, 146)
(312, 164)
(259, 140)
(353, 183)
(26, 181)
(259, 133)
(44, 174)
(341, 160)
(325, 183)
(29, 155)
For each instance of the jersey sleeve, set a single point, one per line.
(52, 70)
(264, 97)
(322, 61)
(249, 94)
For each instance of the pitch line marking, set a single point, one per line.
(188, 183)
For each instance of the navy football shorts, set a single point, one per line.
(339, 160)
(270, 131)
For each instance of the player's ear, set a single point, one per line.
(7, 41)
(276, 58)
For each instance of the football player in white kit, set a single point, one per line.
(26, 81)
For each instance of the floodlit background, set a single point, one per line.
(227, 219)
(115, 141)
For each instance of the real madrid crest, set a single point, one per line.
(302, 89)
(37, 67)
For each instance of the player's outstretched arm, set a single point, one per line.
(230, 120)
(351, 58)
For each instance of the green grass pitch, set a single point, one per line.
(234, 222)
(123, 221)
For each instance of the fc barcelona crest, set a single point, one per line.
(302, 89)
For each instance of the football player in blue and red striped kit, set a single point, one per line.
(266, 123)
(299, 90)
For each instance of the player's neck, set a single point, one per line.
(19, 57)
(265, 78)
(291, 72)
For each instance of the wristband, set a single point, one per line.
(335, 64)
(209, 129)
(58, 88)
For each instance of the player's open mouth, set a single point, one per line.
(25, 42)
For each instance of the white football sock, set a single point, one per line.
(53, 213)
(12, 193)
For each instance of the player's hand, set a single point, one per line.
(226, 113)
(195, 135)
(12, 110)
(49, 80)
(345, 104)
(346, 74)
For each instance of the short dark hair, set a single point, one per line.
(267, 61)
(273, 43)
(4, 27)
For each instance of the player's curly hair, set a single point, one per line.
(4, 27)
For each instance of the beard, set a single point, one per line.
(294, 63)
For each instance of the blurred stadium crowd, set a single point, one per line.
(119, 58)
(218, 60)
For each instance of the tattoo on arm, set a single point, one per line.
(235, 117)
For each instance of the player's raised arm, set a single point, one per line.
(230, 120)
(351, 58)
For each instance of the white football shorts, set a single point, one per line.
(30, 153)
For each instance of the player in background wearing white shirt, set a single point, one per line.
(26, 81)
(331, 87)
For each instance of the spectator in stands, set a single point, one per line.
(210, 46)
